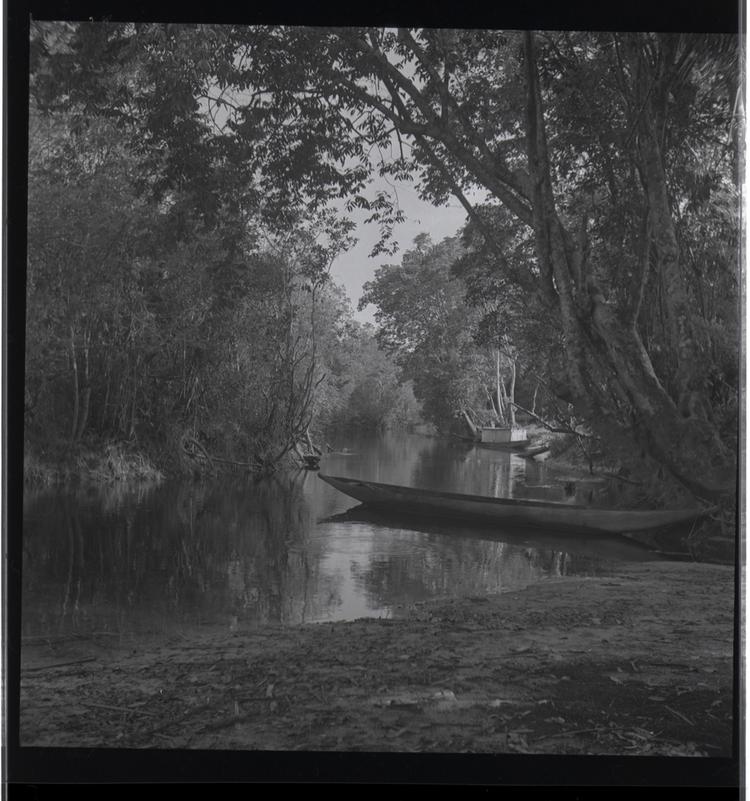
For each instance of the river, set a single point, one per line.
(132, 562)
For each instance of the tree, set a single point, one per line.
(601, 146)
(365, 390)
(81, 288)
(153, 318)
(277, 335)
(425, 324)
(473, 122)
(497, 277)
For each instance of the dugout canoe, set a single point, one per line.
(510, 511)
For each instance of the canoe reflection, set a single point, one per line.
(603, 546)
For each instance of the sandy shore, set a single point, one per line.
(637, 663)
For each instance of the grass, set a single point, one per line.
(110, 463)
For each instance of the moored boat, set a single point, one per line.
(538, 514)
(503, 437)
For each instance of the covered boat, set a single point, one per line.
(503, 437)
(537, 514)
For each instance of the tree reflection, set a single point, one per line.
(455, 466)
(190, 553)
(452, 566)
(240, 552)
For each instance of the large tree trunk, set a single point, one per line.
(650, 95)
(609, 375)
(597, 342)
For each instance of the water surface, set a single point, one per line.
(129, 562)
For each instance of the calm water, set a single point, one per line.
(163, 560)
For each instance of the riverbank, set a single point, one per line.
(636, 663)
(604, 482)
(74, 464)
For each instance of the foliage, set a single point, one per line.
(428, 327)
(148, 315)
(366, 390)
(606, 165)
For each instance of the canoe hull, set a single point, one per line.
(536, 514)
(504, 446)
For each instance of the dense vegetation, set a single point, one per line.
(181, 229)
(461, 372)
(165, 313)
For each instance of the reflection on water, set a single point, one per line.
(289, 549)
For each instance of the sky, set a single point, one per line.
(353, 268)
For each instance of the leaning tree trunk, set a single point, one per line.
(474, 429)
(599, 346)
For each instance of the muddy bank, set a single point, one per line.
(636, 663)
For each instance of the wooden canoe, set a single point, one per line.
(536, 514)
